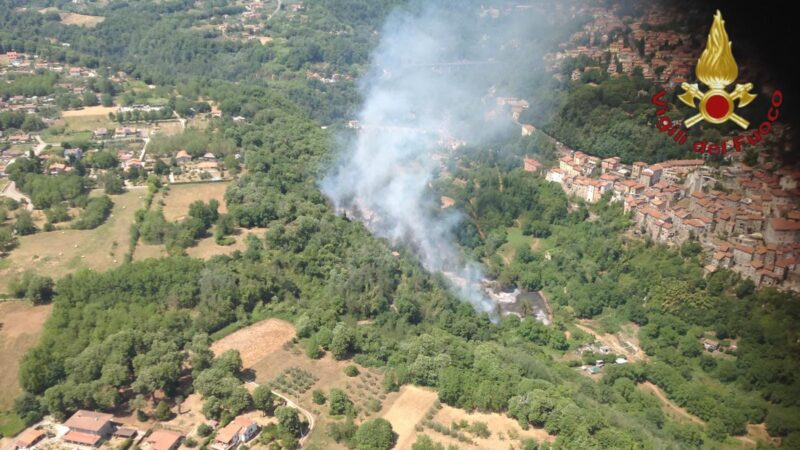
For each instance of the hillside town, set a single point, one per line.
(625, 47)
(746, 219)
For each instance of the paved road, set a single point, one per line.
(10, 190)
(309, 416)
(39, 148)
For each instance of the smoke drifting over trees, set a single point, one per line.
(433, 82)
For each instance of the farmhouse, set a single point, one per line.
(163, 440)
(532, 165)
(87, 427)
(27, 439)
(241, 429)
(183, 157)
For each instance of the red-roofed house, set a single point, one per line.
(87, 428)
(531, 165)
(28, 439)
(163, 440)
(241, 429)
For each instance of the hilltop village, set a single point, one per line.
(746, 219)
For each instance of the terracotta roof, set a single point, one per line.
(744, 248)
(683, 163)
(82, 438)
(785, 225)
(226, 434)
(183, 154)
(694, 223)
(681, 213)
(29, 437)
(780, 193)
(88, 420)
(125, 432)
(784, 263)
(163, 439)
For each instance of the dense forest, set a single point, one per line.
(116, 338)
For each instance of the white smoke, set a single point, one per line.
(427, 86)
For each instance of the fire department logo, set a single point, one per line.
(717, 69)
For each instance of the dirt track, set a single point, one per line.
(669, 404)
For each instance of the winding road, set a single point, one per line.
(309, 416)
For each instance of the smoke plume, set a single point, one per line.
(430, 88)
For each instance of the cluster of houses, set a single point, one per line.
(666, 56)
(598, 365)
(20, 62)
(89, 429)
(128, 133)
(249, 24)
(206, 167)
(746, 219)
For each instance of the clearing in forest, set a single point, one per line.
(257, 341)
(406, 411)
(624, 343)
(81, 20)
(180, 196)
(504, 430)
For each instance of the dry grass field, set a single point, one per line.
(60, 252)
(405, 411)
(89, 122)
(176, 208)
(90, 111)
(168, 128)
(257, 341)
(204, 249)
(21, 325)
(82, 20)
(182, 195)
(504, 430)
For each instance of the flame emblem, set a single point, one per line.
(717, 69)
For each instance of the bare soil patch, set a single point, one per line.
(758, 433)
(257, 341)
(623, 343)
(21, 325)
